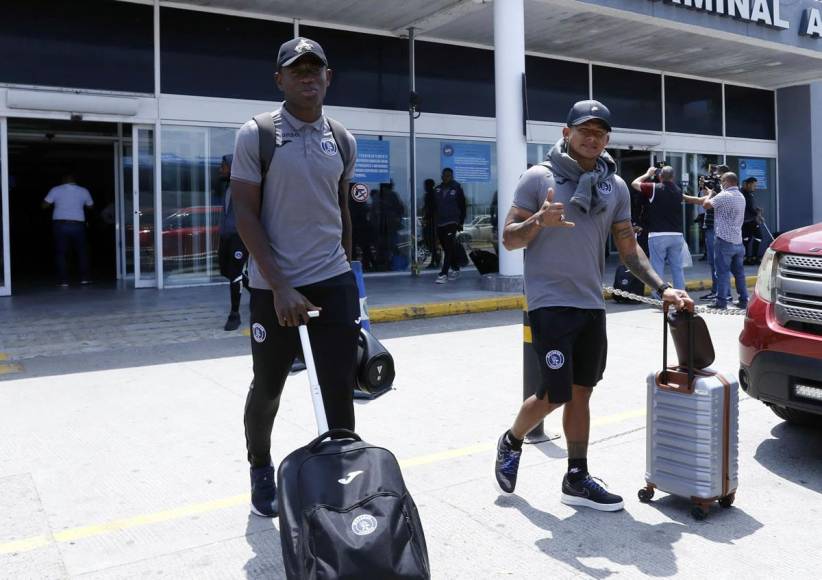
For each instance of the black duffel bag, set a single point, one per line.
(375, 365)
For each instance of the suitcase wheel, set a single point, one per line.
(645, 494)
(727, 501)
(699, 512)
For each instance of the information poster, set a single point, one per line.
(471, 162)
(373, 161)
(754, 168)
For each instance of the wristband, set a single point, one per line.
(663, 288)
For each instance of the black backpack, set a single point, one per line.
(271, 137)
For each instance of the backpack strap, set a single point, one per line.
(270, 137)
(339, 133)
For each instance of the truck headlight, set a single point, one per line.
(766, 276)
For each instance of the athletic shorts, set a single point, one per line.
(232, 256)
(571, 346)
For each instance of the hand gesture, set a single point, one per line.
(292, 307)
(551, 214)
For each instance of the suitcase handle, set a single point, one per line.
(689, 314)
(313, 381)
(334, 434)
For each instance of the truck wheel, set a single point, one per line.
(796, 417)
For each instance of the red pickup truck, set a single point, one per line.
(780, 348)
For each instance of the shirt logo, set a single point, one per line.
(238, 255)
(303, 46)
(258, 332)
(329, 147)
(364, 525)
(605, 188)
(554, 359)
(359, 192)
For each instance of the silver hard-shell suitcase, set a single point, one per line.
(692, 436)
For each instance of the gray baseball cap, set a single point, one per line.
(584, 111)
(296, 48)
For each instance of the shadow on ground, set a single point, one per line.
(623, 540)
(264, 538)
(794, 454)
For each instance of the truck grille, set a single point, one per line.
(799, 292)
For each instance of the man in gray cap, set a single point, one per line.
(292, 213)
(563, 211)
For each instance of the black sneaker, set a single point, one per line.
(264, 492)
(741, 304)
(507, 464)
(232, 322)
(717, 306)
(589, 492)
(709, 296)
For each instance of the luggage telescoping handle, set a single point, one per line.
(313, 381)
(690, 316)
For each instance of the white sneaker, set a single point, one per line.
(453, 274)
(441, 279)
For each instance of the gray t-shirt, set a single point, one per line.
(301, 209)
(565, 266)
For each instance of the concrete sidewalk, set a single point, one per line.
(56, 321)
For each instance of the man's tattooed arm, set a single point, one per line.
(632, 255)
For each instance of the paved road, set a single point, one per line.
(129, 463)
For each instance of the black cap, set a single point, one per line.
(297, 48)
(750, 180)
(584, 111)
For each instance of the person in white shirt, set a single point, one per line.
(69, 201)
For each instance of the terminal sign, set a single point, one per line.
(763, 12)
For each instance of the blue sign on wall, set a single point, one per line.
(373, 161)
(471, 162)
(754, 168)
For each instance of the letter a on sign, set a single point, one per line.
(811, 23)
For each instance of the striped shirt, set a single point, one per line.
(729, 213)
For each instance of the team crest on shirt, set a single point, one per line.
(258, 332)
(554, 359)
(238, 255)
(359, 192)
(605, 187)
(329, 147)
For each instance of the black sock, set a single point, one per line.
(516, 444)
(577, 468)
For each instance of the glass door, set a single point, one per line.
(5, 265)
(142, 206)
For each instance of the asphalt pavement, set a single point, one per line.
(130, 463)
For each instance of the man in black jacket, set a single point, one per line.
(450, 215)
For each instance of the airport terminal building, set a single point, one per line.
(141, 99)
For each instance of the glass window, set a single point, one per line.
(381, 229)
(454, 80)
(693, 106)
(217, 55)
(688, 167)
(749, 113)
(549, 100)
(2, 195)
(101, 45)
(537, 152)
(193, 197)
(634, 98)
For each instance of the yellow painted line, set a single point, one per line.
(451, 308)
(4, 356)
(81, 532)
(9, 368)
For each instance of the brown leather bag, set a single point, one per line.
(694, 347)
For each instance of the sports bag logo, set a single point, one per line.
(364, 525)
(350, 477)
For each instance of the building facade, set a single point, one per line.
(140, 100)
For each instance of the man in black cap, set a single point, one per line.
(750, 227)
(563, 211)
(292, 213)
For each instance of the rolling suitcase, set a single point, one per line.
(344, 508)
(484, 261)
(693, 416)
(624, 280)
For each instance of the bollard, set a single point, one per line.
(356, 267)
(531, 377)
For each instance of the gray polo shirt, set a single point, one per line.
(565, 266)
(300, 211)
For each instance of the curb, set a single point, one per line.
(434, 309)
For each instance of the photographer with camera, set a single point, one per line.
(664, 221)
(709, 185)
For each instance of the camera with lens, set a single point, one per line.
(658, 165)
(711, 180)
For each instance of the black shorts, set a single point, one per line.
(571, 346)
(232, 256)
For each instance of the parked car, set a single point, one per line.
(480, 233)
(780, 348)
